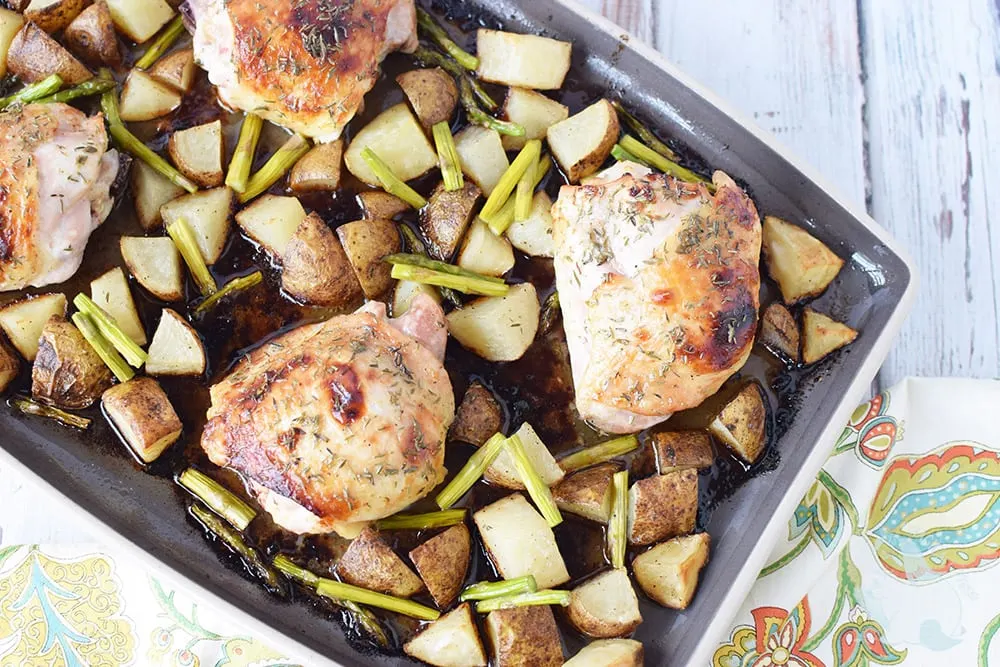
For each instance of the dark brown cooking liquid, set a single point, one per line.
(537, 388)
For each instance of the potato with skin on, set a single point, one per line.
(155, 263)
(442, 563)
(608, 653)
(534, 236)
(315, 269)
(397, 139)
(151, 191)
(208, 213)
(779, 333)
(583, 142)
(53, 15)
(680, 450)
(527, 61)
(588, 492)
(668, 573)
(478, 417)
(366, 242)
(742, 423)
(484, 252)
(432, 94)
(498, 328)
(503, 472)
(197, 153)
(67, 372)
(10, 25)
(140, 19)
(112, 294)
(10, 365)
(802, 265)
(176, 348)
(534, 112)
(450, 641)
(662, 506)
(176, 69)
(23, 320)
(143, 416)
(605, 606)
(271, 221)
(371, 563)
(146, 98)
(92, 37)
(34, 55)
(380, 205)
(523, 637)
(823, 335)
(446, 217)
(319, 169)
(482, 155)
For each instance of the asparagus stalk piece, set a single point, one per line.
(537, 489)
(536, 599)
(486, 590)
(276, 166)
(183, 236)
(234, 541)
(284, 565)
(654, 159)
(218, 498)
(246, 148)
(435, 265)
(131, 144)
(168, 35)
(390, 182)
(480, 117)
(527, 157)
(30, 407)
(525, 192)
(448, 160)
(427, 521)
(109, 328)
(95, 86)
(599, 453)
(339, 591)
(505, 216)
(618, 522)
(622, 155)
(439, 279)
(438, 35)
(415, 246)
(432, 57)
(645, 134)
(550, 312)
(33, 91)
(471, 471)
(104, 349)
(234, 285)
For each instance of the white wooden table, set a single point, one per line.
(897, 102)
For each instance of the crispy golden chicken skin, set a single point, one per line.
(659, 288)
(303, 64)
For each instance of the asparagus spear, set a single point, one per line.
(234, 285)
(33, 91)
(538, 598)
(527, 157)
(183, 236)
(505, 216)
(435, 265)
(550, 312)
(390, 182)
(427, 521)
(537, 489)
(104, 349)
(432, 57)
(276, 167)
(440, 37)
(106, 324)
(471, 471)
(451, 166)
(645, 134)
(622, 155)
(234, 541)
(485, 590)
(416, 247)
(218, 498)
(618, 522)
(480, 117)
(30, 407)
(654, 159)
(95, 86)
(163, 41)
(246, 147)
(599, 453)
(439, 279)
(525, 192)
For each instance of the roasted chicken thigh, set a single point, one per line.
(659, 286)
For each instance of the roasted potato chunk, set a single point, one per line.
(534, 236)
(111, 292)
(442, 563)
(680, 450)
(176, 348)
(140, 20)
(445, 218)
(10, 365)
(67, 372)
(53, 15)
(10, 25)
(271, 221)
(366, 242)
(370, 563)
(92, 37)
(208, 213)
(605, 606)
(503, 472)
(407, 290)
(779, 332)
(608, 653)
(587, 492)
(146, 98)
(143, 415)
(380, 205)
(482, 156)
(742, 423)
(397, 138)
(524, 636)
(668, 573)
(484, 252)
(33, 55)
(527, 61)
(197, 153)
(801, 264)
(450, 641)
(315, 269)
(662, 506)
(533, 111)
(498, 328)
(582, 142)
(319, 169)
(152, 190)
(822, 335)
(176, 69)
(23, 320)
(432, 94)
(156, 265)
(478, 416)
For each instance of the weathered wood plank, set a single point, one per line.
(933, 90)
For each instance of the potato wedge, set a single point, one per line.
(319, 169)
(668, 573)
(520, 542)
(680, 450)
(662, 506)
(176, 69)
(822, 335)
(10, 365)
(152, 190)
(24, 320)
(450, 641)
(524, 636)
(380, 205)
(366, 242)
(527, 61)
(207, 211)
(155, 264)
(534, 112)
(446, 217)
(271, 221)
(67, 372)
(176, 348)
(482, 156)
(146, 98)
(608, 653)
(110, 291)
(478, 416)
(197, 153)
(92, 37)
(587, 492)
(503, 472)
(143, 416)
(484, 252)
(432, 94)
(779, 333)
(397, 138)
(407, 290)
(499, 328)
(53, 15)
(442, 563)
(10, 25)
(605, 606)
(315, 268)
(34, 55)
(801, 264)
(140, 20)
(534, 235)
(582, 142)
(742, 423)
(370, 563)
